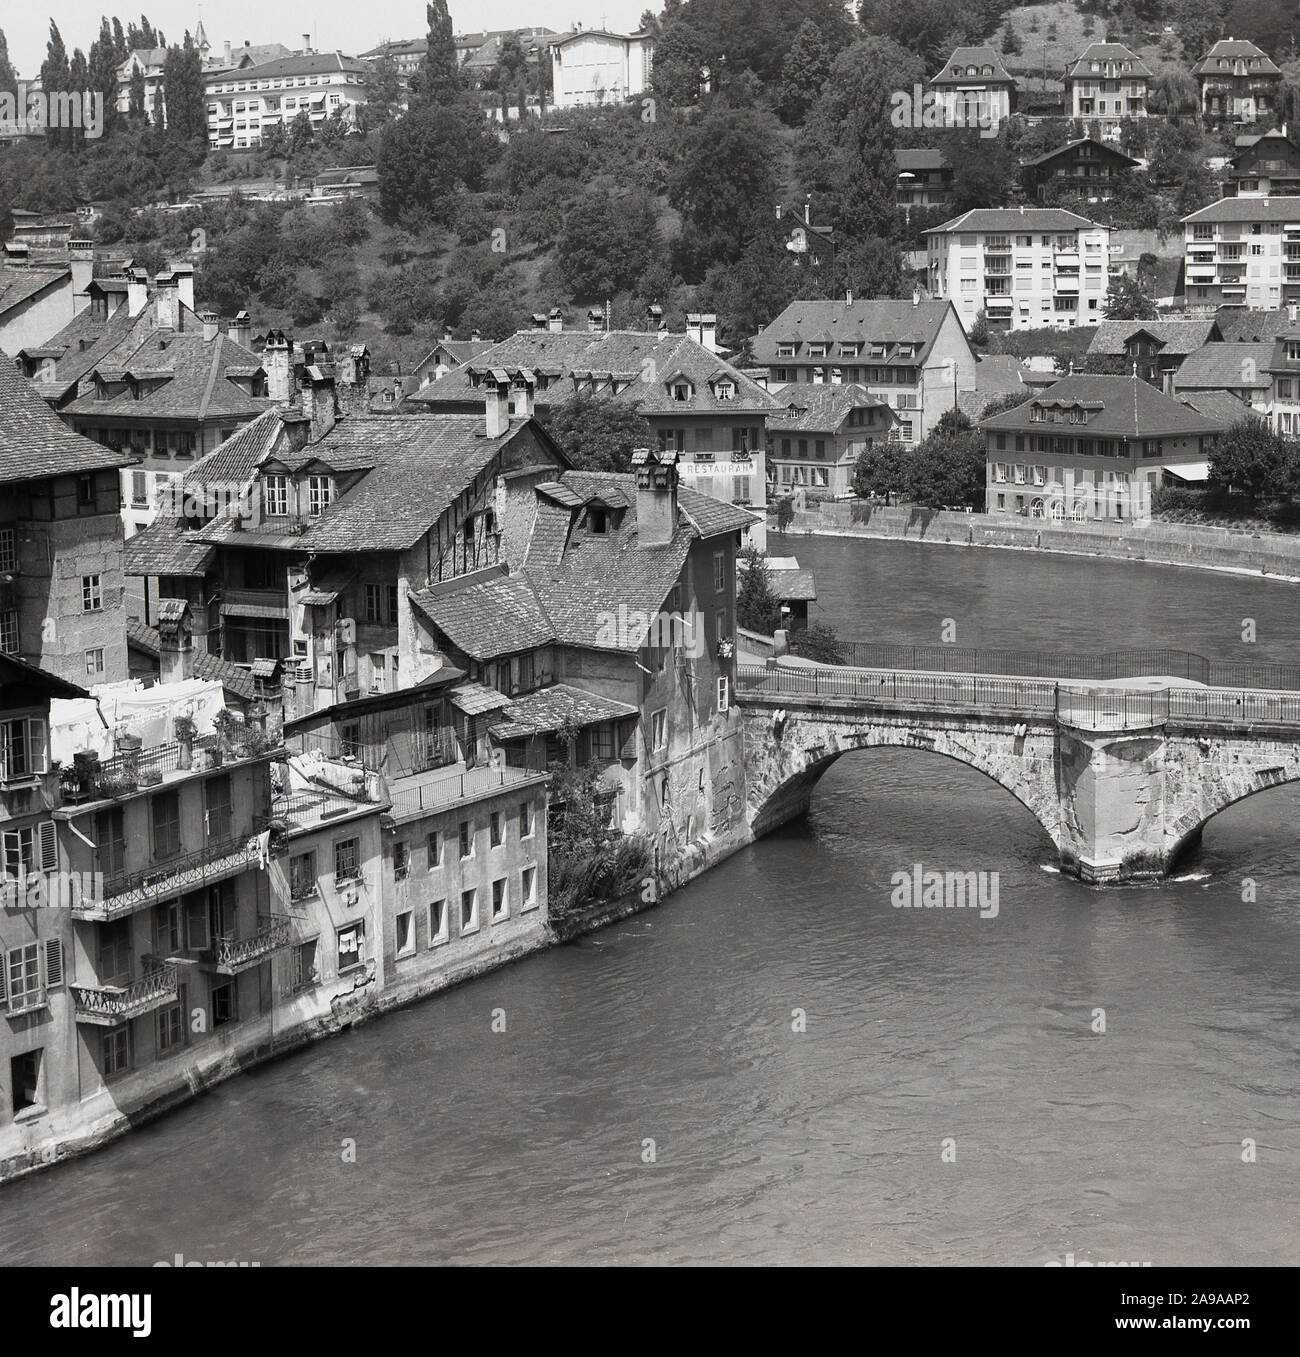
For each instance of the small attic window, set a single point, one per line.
(597, 521)
(725, 391)
(681, 391)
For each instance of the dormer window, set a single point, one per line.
(725, 391)
(785, 350)
(597, 522)
(320, 492)
(681, 391)
(970, 70)
(1037, 413)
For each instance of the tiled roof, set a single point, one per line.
(1237, 324)
(1230, 50)
(79, 347)
(862, 322)
(1126, 407)
(551, 709)
(603, 589)
(998, 375)
(487, 617)
(230, 676)
(1105, 51)
(196, 374)
(1220, 405)
(1248, 209)
(1015, 219)
(475, 698)
(1225, 367)
(421, 463)
(166, 548)
(643, 361)
(21, 285)
(307, 63)
(233, 462)
(35, 442)
(1113, 152)
(979, 57)
(821, 409)
(1176, 336)
(793, 586)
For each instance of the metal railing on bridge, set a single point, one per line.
(1091, 708)
(1114, 664)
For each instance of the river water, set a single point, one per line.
(825, 1144)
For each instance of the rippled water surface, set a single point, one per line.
(824, 1145)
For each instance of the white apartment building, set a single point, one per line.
(1105, 84)
(1243, 252)
(593, 67)
(244, 103)
(1024, 268)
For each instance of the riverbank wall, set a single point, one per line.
(1157, 543)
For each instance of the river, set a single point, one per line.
(821, 1145)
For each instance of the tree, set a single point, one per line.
(720, 184)
(103, 63)
(598, 435)
(383, 91)
(846, 152)
(438, 79)
(678, 69)
(136, 96)
(1198, 24)
(607, 244)
(817, 641)
(880, 470)
(426, 156)
(757, 607)
(186, 109)
(930, 30)
(1125, 300)
(56, 77)
(1254, 461)
(948, 468)
(8, 77)
(1010, 41)
(806, 67)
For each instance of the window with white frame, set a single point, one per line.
(528, 888)
(320, 492)
(468, 911)
(23, 748)
(92, 593)
(275, 496)
(405, 925)
(8, 551)
(9, 632)
(439, 923)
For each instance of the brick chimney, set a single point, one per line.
(167, 302)
(555, 322)
(211, 325)
(240, 330)
(185, 285)
(656, 495)
(352, 381)
(497, 386)
(81, 256)
(319, 402)
(175, 641)
(523, 391)
(137, 292)
(275, 360)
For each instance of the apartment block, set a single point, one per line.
(913, 354)
(1021, 267)
(1244, 252)
(246, 102)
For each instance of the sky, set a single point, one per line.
(332, 23)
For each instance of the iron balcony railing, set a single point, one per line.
(473, 783)
(188, 871)
(230, 954)
(1091, 708)
(112, 1005)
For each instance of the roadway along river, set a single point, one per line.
(824, 1145)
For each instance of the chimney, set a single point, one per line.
(319, 402)
(709, 331)
(352, 382)
(275, 360)
(175, 641)
(211, 325)
(184, 286)
(848, 296)
(81, 256)
(240, 330)
(655, 316)
(778, 211)
(656, 495)
(556, 320)
(497, 386)
(916, 296)
(595, 319)
(474, 336)
(137, 292)
(229, 57)
(306, 44)
(166, 302)
(523, 393)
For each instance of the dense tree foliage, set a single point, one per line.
(598, 435)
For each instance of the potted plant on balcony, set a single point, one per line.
(80, 778)
(184, 729)
(229, 733)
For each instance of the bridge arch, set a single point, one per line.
(788, 750)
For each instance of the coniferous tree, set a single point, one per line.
(8, 76)
(186, 109)
(103, 72)
(56, 77)
(438, 80)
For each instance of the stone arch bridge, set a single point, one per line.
(1122, 779)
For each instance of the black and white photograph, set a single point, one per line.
(646, 637)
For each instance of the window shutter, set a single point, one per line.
(53, 963)
(4, 972)
(38, 748)
(49, 847)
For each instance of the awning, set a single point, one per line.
(474, 699)
(1189, 471)
(274, 611)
